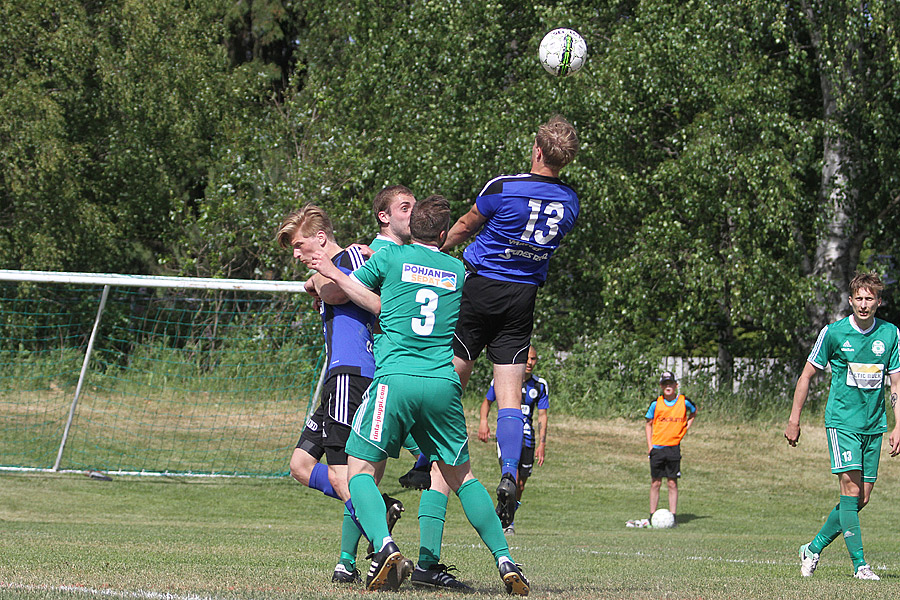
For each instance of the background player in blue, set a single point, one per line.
(415, 389)
(861, 351)
(523, 219)
(535, 399)
(349, 369)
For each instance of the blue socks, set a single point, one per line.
(510, 429)
(318, 480)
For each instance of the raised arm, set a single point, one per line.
(792, 431)
(464, 228)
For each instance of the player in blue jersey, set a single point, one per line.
(416, 389)
(522, 220)
(535, 400)
(862, 352)
(350, 366)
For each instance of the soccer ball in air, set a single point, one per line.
(662, 519)
(562, 52)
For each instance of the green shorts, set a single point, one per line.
(429, 408)
(854, 452)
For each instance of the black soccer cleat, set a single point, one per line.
(506, 500)
(417, 478)
(388, 569)
(394, 508)
(439, 576)
(513, 578)
(343, 575)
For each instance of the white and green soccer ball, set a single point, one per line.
(662, 519)
(562, 52)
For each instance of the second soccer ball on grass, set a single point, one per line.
(662, 519)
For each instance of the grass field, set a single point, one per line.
(747, 502)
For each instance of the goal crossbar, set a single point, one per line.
(156, 281)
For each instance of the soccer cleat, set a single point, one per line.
(865, 572)
(639, 523)
(342, 575)
(439, 576)
(394, 508)
(511, 530)
(417, 478)
(808, 561)
(506, 500)
(513, 578)
(388, 569)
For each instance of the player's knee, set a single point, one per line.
(300, 472)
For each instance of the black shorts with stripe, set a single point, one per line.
(497, 315)
(328, 429)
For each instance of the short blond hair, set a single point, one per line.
(309, 220)
(869, 281)
(558, 142)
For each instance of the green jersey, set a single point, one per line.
(420, 292)
(860, 361)
(381, 241)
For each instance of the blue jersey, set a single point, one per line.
(535, 396)
(527, 217)
(348, 328)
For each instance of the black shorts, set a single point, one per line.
(328, 429)
(498, 315)
(526, 461)
(665, 462)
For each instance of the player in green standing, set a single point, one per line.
(415, 389)
(861, 351)
(392, 207)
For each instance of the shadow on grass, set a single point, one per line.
(688, 517)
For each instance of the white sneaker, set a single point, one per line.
(865, 572)
(639, 523)
(511, 530)
(808, 561)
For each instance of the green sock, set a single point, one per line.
(350, 535)
(479, 509)
(432, 512)
(850, 525)
(829, 532)
(370, 508)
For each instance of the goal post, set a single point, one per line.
(154, 375)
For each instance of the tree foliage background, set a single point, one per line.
(739, 159)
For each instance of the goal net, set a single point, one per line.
(157, 375)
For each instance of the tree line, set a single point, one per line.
(739, 159)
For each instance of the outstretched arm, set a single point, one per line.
(355, 291)
(464, 228)
(792, 431)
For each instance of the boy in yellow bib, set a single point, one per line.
(668, 419)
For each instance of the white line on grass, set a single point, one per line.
(139, 595)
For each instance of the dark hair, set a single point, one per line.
(383, 199)
(429, 218)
